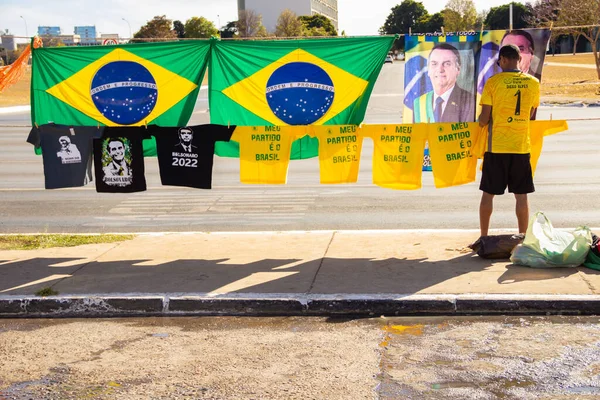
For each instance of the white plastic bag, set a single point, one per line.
(546, 247)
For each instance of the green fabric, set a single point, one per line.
(592, 261)
(53, 66)
(234, 61)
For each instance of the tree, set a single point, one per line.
(230, 30)
(320, 22)
(586, 15)
(48, 41)
(459, 15)
(199, 27)
(544, 13)
(403, 17)
(179, 29)
(250, 23)
(499, 17)
(158, 27)
(288, 24)
(430, 23)
(481, 17)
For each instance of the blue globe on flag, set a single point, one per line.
(300, 93)
(125, 92)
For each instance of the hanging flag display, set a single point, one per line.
(293, 82)
(127, 85)
(531, 42)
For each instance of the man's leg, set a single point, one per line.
(485, 212)
(522, 211)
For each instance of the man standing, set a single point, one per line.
(185, 140)
(508, 100)
(447, 102)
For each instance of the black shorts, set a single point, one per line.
(502, 170)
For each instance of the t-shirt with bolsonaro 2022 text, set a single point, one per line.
(185, 154)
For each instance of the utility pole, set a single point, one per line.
(128, 26)
(26, 31)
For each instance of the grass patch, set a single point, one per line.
(47, 291)
(34, 242)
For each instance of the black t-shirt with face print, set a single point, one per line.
(185, 154)
(66, 153)
(119, 160)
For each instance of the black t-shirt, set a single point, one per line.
(185, 155)
(66, 153)
(119, 160)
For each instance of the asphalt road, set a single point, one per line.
(567, 188)
(301, 358)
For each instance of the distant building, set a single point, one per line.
(49, 30)
(8, 42)
(270, 10)
(87, 34)
(70, 40)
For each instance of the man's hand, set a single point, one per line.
(486, 113)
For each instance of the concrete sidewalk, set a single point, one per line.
(364, 273)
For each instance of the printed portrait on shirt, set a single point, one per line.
(116, 161)
(68, 153)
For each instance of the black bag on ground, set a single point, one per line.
(497, 246)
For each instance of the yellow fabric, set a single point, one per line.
(479, 141)
(265, 152)
(450, 151)
(512, 95)
(339, 152)
(539, 129)
(398, 154)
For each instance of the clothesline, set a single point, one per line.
(565, 119)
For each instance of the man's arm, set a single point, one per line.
(486, 113)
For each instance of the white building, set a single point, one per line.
(271, 9)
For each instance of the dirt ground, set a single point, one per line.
(558, 83)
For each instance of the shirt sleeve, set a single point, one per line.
(34, 137)
(223, 133)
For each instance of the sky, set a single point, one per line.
(356, 17)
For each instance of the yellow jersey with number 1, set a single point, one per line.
(512, 95)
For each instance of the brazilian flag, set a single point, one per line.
(123, 85)
(293, 82)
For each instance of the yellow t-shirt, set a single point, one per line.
(339, 152)
(450, 147)
(398, 154)
(265, 152)
(539, 129)
(512, 95)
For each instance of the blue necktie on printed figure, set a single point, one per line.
(437, 111)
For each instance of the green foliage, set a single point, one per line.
(288, 24)
(459, 15)
(404, 16)
(44, 241)
(47, 291)
(199, 27)
(179, 29)
(230, 30)
(158, 27)
(317, 21)
(499, 17)
(430, 23)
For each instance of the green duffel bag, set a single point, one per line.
(592, 261)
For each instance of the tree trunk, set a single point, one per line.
(576, 39)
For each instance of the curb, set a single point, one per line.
(296, 305)
(15, 109)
